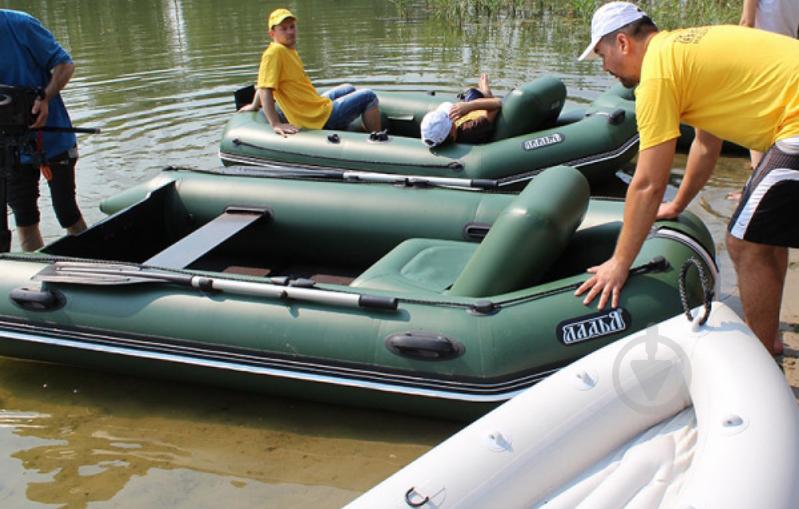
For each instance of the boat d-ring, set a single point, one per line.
(415, 503)
(707, 289)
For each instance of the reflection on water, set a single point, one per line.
(158, 77)
(71, 437)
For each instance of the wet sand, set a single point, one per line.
(789, 323)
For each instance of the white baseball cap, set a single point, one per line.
(609, 18)
(436, 125)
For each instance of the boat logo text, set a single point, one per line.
(593, 326)
(542, 141)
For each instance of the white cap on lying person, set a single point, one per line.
(436, 125)
(607, 19)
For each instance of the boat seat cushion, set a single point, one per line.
(528, 236)
(418, 265)
(530, 107)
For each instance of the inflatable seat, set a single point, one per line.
(418, 265)
(527, 237)
(530, 107)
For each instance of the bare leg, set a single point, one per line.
(371, 120)
(30, 238)
(76, 227)
(484, 87)
(761, 277)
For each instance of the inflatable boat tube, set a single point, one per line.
(674, 416)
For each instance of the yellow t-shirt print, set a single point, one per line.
(736, 83)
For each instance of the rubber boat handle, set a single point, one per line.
(36, 299)
(423, 345)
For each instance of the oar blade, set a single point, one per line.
(82, 273)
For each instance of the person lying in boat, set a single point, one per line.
(282, 79)
(468, 121)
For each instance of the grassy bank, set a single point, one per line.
(666, 13)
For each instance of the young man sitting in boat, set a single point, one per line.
(282, 79)
(470, 121)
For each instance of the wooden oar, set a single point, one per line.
(103, 274)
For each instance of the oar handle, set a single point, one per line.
(293, 292)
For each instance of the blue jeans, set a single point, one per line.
(348, 104)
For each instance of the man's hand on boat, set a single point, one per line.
(285, 129)
(668, 210)
(607, 282)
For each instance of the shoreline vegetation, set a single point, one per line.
(668, 14)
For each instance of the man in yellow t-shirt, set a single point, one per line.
(729, 83)
(282, 79)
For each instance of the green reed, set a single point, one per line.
(667, 14)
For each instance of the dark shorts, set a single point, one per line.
(23, 191)
(475, 131)
(767, 211)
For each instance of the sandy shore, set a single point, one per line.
(789, 323)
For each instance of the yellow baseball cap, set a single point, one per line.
(278, 15)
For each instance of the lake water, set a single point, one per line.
(158, 77)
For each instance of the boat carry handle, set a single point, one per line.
(476, 231)
(36, 299)
(421, 345)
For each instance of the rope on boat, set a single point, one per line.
(707, 289)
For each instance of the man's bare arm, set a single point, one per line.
(702, 158)
(61, 74)
(640, 206)
(268, 104)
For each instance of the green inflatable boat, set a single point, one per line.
(728, 148)
(411, 298)
(528, 137)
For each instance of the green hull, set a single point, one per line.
(428, 333)
(597, 142)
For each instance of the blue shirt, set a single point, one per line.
(28, 52)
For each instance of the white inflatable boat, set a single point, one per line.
(678, 416)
